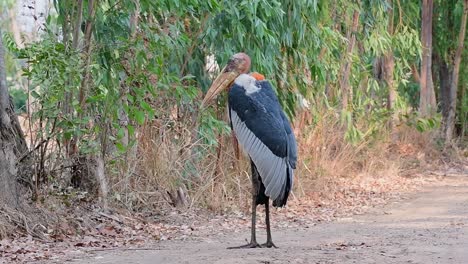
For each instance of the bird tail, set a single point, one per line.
(283, 198)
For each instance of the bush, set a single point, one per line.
(20, 98)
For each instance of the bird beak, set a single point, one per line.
(222, 82)
(239, 63)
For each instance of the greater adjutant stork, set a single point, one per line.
(264, 132)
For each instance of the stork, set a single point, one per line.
(264, 132)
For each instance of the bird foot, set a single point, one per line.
(269, 244)
(249, 245)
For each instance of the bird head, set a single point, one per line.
(239, 63)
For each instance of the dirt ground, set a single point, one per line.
(430, 226)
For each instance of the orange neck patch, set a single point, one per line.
(257, 76)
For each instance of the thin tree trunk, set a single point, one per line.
(99, 170)
(450, 122)
(124, 120)
(134, 18)
(14, 28)
(71, 145)
(445, 75)
(463, 114)
(427, 102)
(346, 66)
(77, 27)
(123, 116)
(87, 51)
(415, 73)
(389, 65)
(99, 173)
(445, 63)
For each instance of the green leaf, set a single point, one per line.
(131, 130)
(140, 117)
(120, 146)
(35, 94)
(120, 133)
(146, 106)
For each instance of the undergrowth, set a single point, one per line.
(168, 163)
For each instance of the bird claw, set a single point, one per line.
(269, 244)
(249, 245)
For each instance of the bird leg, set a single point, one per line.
(269, 242)
(255, 187)
(253, 239)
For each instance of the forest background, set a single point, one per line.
(106, 97)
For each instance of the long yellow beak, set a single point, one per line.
(222, 82)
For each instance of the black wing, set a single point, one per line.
(265, 134)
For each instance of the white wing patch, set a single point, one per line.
(272, 169)
(248, 83)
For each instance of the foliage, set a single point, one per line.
(20, 99)
(52, 71)
(422, 124)
(166, 57)
(144, 66)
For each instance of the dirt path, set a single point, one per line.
(428, 227)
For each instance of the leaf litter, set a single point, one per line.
(87, 230)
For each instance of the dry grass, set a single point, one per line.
(169, 168)
(167, 163)
(325, 155)
(24, 220)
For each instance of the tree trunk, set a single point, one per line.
(463, 114)
(415, 73)
(125, 89)
(71, 145)
(445, 75)
(450, 121)
(427, 102)
(14, 28)
(87, 54)
(12, 143)
(77, 27)
(100, 174)
(346, 66)
(389, 65)
(99, 162)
